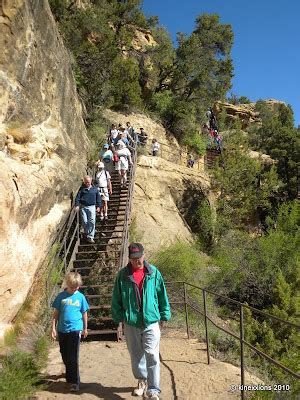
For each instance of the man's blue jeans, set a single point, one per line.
(88, 218)
(143, 347)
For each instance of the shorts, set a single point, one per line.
(104, 193)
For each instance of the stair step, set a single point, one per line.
(114, 225)
(89, 268)
(102, 279)
(103, 230)
(103, 307)
(100, 240)
(105, 319)
(95, 286)
(92, 246)
(109, 229)
(91, 253)
(85, 262)
(102, 332)
(102, 259)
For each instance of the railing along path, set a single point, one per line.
(188, 303)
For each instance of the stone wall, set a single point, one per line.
(43, 146)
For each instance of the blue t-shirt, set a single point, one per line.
(70, 307)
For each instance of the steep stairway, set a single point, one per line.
(98, 263)
(211, 157)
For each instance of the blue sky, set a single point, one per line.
(266, 50)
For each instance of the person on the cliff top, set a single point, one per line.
(103, 182)
(190, 161)
(155, 147)
(124, 160)
(87, 199)
(143, 137)
(140, 301)
(70, 321)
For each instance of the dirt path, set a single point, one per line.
(106, 373)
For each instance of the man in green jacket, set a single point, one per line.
(140, 301)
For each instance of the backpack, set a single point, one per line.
(97, 179)
(116, 157)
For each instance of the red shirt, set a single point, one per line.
(138, 276)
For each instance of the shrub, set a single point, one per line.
(181, 261)
(19, 377)
(196, 142)
(21, 135)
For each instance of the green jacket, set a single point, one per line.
(126, 302)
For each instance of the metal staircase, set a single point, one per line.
(98, 263)
(211, 157)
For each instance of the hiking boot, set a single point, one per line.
(74, 387)
(140, 389)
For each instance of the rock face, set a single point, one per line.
(43, 143)
(245, 113)
(161, 188)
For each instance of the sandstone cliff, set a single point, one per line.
(163, 198)
(244, 113)
(43, 143)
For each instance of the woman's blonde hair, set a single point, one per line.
(73, 280)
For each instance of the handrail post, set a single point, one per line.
(206, 327)
(242, 351)
(186, 311)
(78, 225)
(65, 254)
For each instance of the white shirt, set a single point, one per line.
(114, 133)
(102, 178)
(155, 146)
(124, 152)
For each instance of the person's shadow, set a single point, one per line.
(96, 389)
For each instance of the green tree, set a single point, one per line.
(278, 138)
(125, 88)
(203, 65)
(243, 183)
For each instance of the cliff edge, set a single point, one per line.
(43, 144)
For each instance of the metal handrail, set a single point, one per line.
(125, 232)
(239, 337)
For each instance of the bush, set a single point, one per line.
(19, 377)
(161, 102)
(196, 142)
(21, 134)
(181, 261)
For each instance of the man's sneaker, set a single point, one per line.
(74, 388)
(140, 389)
(101, 217)
(90, 240)
(105, 216)
(153, 396)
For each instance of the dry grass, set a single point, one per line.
(21, 135)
